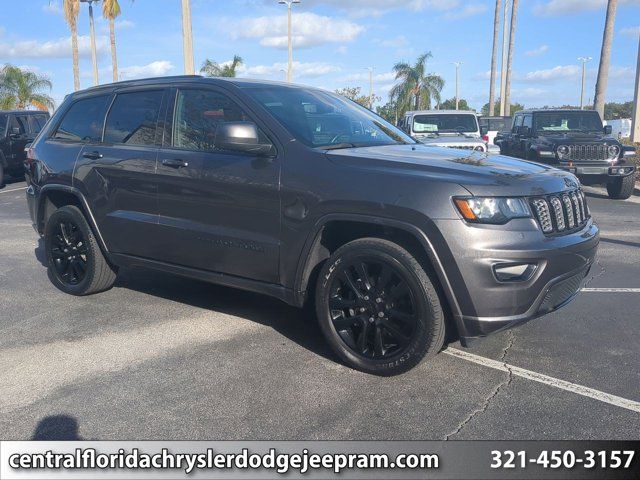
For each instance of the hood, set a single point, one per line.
(480, 173)
(572, 138)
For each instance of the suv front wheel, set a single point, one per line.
(621, 188)
(76, 264)
(378, 308)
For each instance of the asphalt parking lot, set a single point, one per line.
(162, 357)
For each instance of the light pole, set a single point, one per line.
(505, 61)
(289, 3)
(370, 87)
(635, 123)
(96, 81)
(584, 75)
(187, 38)
(457, 64)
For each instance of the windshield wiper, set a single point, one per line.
(338, 146)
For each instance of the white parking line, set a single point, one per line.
(13, 190)
(612, 290)
(553, 382)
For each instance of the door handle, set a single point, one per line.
(175, 163)
(92, 155)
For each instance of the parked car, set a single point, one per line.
(621, 127)
(445, 128)
(575, 141)
(233, 182)
(17, 129)
(492, 126)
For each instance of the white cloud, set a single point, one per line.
(342, 50)
(632, 32)
(154, 69)
(466, 12)
(363, 8)
(397, 42)
(567, 7)
(309, 30)
(276, 70)
(364, 76)
(537, 51)
(561, 72)
(52, 49)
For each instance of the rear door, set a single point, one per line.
(219, 210)
(118, 172)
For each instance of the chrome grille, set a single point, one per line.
(588, 153)
(561, 213)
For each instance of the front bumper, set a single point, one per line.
(602, 173)
(487, 305)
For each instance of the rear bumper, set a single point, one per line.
(487, 305)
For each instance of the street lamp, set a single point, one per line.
(457, 64)
(370, 87)
(289, 3)
(584, 74)
(93, 41)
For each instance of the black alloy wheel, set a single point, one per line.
(68, 252)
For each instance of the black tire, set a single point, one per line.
(411, 332)
(621, 188)
(76, 264)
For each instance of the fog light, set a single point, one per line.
(514, 272)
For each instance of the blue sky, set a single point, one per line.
(336, 40)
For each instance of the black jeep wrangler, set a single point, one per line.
(17, 129)
(573, 140)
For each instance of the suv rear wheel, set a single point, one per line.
(378, 308)
(76, 263)
(621, 188)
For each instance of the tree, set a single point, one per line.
(450, 104)
(618, 110)
(605, 57)
(512, 39)
(20, 89)
(494, 52)
(355, 94)
(227, 69)
(417, 88)
(110, 11)
(71, 9)
(515, 107)
(389, 111)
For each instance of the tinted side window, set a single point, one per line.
(528, 121)
(37, 123)
(517, 122)
(133, 118)
(198, 114)
(19, 123)
(83, 121)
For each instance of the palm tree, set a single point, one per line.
(227, 69)
(605, 57)
(417, 87)
(110, 11)
(512, 39)
(494, 52)
(20, 89)
(71, 10)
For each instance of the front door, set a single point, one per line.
(219, 210)
(19, 136)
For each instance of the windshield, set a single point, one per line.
(496, 124)
(568, 122)
(445, 123)
(3, 125)
(321, 119)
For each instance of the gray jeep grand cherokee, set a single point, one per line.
(303, 195)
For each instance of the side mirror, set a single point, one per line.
(241, 137)
(523, 130)
(484, 129)
(608, 129)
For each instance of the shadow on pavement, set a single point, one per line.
(57, 427)
(620, 242)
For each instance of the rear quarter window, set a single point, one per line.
(84, 120)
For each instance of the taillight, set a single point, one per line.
(485, 138)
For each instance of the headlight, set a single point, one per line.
(563, 151)
(614, 151)
(493, 210)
